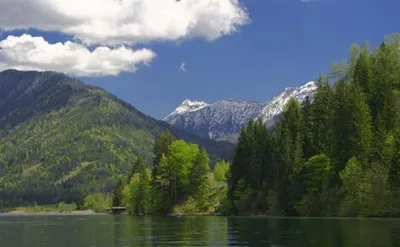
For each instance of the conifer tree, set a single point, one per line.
(117, 198)
(394, 172)
(161, 146)
(160, 188)
(322, 118)
(307, 129)
(385, 78)
(291, 157)
(241, 159)
(363, 75)
(352, 125)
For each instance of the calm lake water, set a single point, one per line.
(109, 231)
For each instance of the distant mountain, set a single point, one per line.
(223, 119)
(60, 138)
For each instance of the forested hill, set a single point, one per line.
(335, 155)
(60, 138)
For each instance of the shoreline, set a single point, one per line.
(75, 212)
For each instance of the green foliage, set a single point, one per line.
(117, 197)
(61, 139)
(318, 121)
(366, 190)
(251, 167)
(136, 194)
(337, 154)
(317, 174)
(394, 174)
(180, 180)
(62, 207)
(220, 171)
(199, 179)
(160, 190)
(162, 145)
(97, 202)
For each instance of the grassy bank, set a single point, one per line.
(59, 208)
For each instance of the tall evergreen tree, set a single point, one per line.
(363, 75)
(117, 198)
(160, 188)
(385, 78)
(352, 125)
(161, 146)
(291, 157)
(159, 173)
(307, 129)
(394, 172)
(322, 118)
(241, 159)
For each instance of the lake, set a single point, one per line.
(125, 231)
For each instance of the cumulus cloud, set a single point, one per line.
(183, 67)
(111, 26)
(114, 22)
(35, 53)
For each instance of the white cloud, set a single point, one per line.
(108, 23)
(114, 22)
(35, 53)
(183, 67)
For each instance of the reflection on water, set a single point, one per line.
(124, 231)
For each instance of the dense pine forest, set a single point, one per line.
(337, 154)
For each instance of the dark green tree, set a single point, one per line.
(394, 173)
(386, 76)
(363, 75)
(161, 146)
(322, 118)
(290, 157)
(161, 202)
(352, 125)
(117, 197)
(307, 129)
(317, 174)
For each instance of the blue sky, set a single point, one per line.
(286, 43)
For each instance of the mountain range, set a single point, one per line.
(224, 119)
(60, 138)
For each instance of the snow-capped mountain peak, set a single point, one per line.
(223, 119)
(277, 105)
(187, 106)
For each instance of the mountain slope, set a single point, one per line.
(223, 119)
(60, 138)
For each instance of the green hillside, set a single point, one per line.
(60, 138)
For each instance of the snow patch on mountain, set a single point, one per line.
(224, 119)
(277, 105)
(188, 106)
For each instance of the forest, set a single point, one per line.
(180, 181)
(337, 154)
(61, 140)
